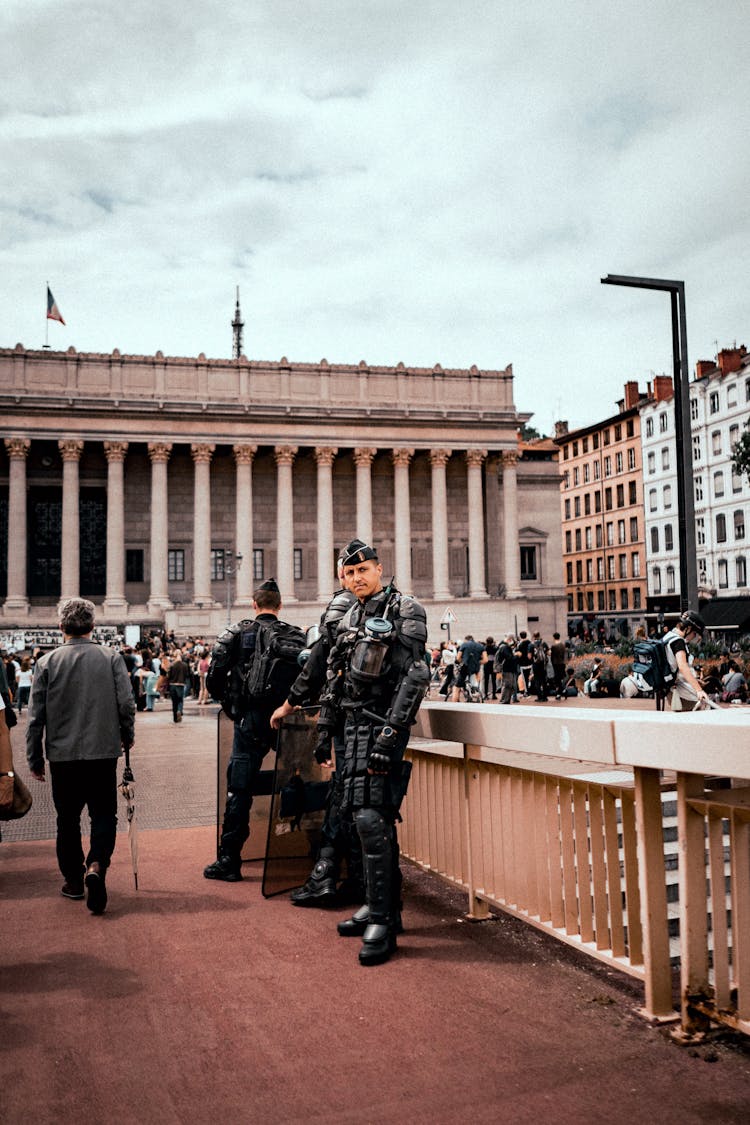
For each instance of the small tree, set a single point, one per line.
(741, 453)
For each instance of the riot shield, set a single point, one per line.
(298, 803)
(255, 845)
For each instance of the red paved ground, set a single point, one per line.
(196, 1002)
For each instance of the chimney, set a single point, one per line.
(662, 387)
(632, 394)
(561, 429)
(730, 359)
(704, 367)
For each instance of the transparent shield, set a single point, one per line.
(255, 845)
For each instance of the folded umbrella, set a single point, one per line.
(127, 788)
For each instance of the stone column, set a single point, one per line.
(114, 601)
(324, 456)
(201, 454)
(285, 455)
(17, 602)
(475, 497)
(70, 555)
(243, 456)
(440, 581)
(402, 518)
(158, 601)
(511, 552)
(363, 460)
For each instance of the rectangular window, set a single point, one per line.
(716, 441)
(698, 488)
(587, 504)
(723, 574)
(599, 535)
(258, 564)
(297, 562)
(621, 531)
(665, 457)
(667, 496)
(721, 528)
(697, 448)
(586, 473)
(718, 484)
(600, 569)
(652, 499)
(739, 524)
(631, 458)
(636, 598)
(713, 402)
(732, 394)
(568, 542)
(657, 580)
(670, 580)
(736, 480)
(663, 422)
(606, 437)
(618, 462)
(597, 501)
(694, 409)
(654, 540)
(578, 539)
(588, 538)
(567, 509)
(528, 563)
(217, 565)
(741, 568)
(176, 565)
(575, 448)
(700, 531)
(623, 599)
(635, 564)
(651, 462)
(590, 600)
(629, 427)
(618, 432)
(579, 571)
(608, 466)
(634, 529)
(668, 537)
(134, 565)
(610, 534)
(579, 601)
(585, 445)
(595, 441)
(622, 563)
(589, 570)
(576, 476)
(621, 496)
(610, 566)
(576, 505)
(597, 470)
(649, 427)
(569, 573)
(612, 596)
(608, 499)
(600, 600)
(632, 492)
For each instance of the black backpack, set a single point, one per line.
(273, 665)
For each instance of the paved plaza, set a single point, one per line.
(192, 1002)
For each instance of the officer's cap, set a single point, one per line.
(270, 584)
(357, 551)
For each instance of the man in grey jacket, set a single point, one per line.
(82, 713)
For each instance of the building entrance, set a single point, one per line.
(45, 542)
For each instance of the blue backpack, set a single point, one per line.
(651, 662)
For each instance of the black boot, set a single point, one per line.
(357, 924)
(378, 944)
(320, 888)
(225, 868)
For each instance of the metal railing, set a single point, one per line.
(556, 817)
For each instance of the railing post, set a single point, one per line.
(478, 908)
(691, 849)
(657, 969)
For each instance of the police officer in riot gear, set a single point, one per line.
(339, 840)
(377, 677)
(253, 737)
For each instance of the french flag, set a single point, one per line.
(53, 313)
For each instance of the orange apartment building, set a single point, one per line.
(603, 518)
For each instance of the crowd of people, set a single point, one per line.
(507, 670)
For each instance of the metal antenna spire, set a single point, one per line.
(237, 325)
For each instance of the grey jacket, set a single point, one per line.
(81, 696)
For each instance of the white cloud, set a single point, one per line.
(420, 182)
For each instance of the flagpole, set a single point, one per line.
(46, 318)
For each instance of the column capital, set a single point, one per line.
(115, 450)
(402, 456)
(363, 455)
(440, 456)
(285, 454)
(475, 457)
(71, 448)
(325, 454)
(202, 452)
(159, 452)
(244, 454)
(509, 458)
(17, 447)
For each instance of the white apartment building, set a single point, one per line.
(719, 410)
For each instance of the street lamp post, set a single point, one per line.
(683, 444)
(232, 563)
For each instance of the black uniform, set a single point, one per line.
(377, 677)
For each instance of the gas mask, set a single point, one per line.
(370, 650)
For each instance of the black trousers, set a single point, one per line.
(75, 786)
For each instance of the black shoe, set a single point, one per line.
(96, 892)
(71, 889)
(316, 892)
(357, 924)
(224, 868)
(378, 944)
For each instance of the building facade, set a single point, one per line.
(166, 488)
(719, 411)
(603, 522)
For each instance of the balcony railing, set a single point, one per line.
(557, 817)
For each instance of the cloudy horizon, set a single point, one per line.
(384, 181)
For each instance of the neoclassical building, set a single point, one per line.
(137, 481)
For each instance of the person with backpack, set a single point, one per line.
(252, 667)
(686, 690)
(506, 667)
(471, 656)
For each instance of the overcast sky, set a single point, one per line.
(416, 180)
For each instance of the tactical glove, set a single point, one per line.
(381, 755)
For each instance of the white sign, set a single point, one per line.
(448, 616)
